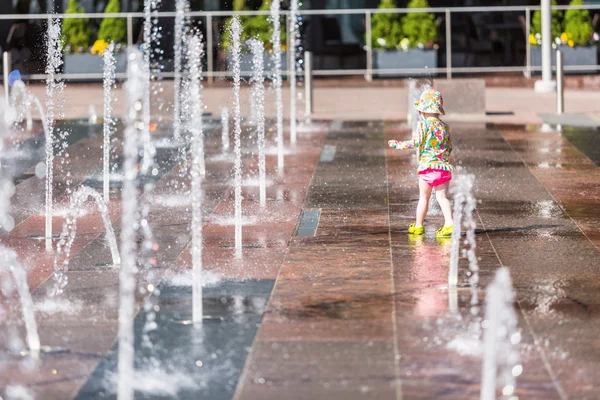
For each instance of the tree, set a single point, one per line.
(419, 27)
(386, 29)
(76, 31)
(536, 22)
(113, 29)
(578, 25)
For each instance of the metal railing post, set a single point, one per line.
(527, 44)
(368, 44)
(6, 64)
(129, 30)
(448, 45)
(308, 85)
(560, 83)
(209, 49)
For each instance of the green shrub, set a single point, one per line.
(386, 29)
(536, 24)
(76, 31)
(578, 25)
(113, 29)
(254, 26)
(420, 27)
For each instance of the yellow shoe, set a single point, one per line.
(416, 231)
(444, 231)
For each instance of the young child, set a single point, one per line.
(432, 138)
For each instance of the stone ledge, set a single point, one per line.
(462, 96)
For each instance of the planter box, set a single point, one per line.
(91, 64)
(398, 59)
(246, 62)
(579, 55)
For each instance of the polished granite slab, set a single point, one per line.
(357, 308)
(186, 361)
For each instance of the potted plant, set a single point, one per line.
(535, 36)
(574, 37)
(113, 30)
(578, 41)
(254, 26)
(404, 42)
(76, 35)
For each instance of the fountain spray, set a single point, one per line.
(9, 262)
(8, 258)
(224, 130)
(28, 101)
(195, 53)
(20, 99)
(277, 80)
(109, 123)
(501, 339)
(181, 29)
(54, 89)
(235, 28)
(92, 115)
(69, 231)
(294, 33)
(464, 207)
(412, 117)
(150, 7)
(135, 87)
(258, 79)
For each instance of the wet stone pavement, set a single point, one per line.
(332, 299)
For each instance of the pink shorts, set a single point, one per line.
(435, 177)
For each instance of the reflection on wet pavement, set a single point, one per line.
(332, 298)
(586, 140)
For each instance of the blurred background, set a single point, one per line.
(493, 38)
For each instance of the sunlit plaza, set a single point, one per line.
(224, 200)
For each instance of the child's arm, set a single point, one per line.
(408, 144)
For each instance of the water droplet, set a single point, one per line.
(515, 338)
(40, 170)
(517, 370)
(508, 390)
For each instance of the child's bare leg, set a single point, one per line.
(441, 192)
(424, 195)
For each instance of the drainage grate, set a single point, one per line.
(41, 236)
(309, 220)
(328, 153)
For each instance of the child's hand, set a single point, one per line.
(393, 144)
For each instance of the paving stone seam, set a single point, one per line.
(555, 380)
(536, 342)
(95, 237)
(117, 220)
(242, 379)
(394, 319)
(550, 377)
(167, 272)
(548, 191)
(60, 193)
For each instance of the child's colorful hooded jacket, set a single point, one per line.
(432, 138)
